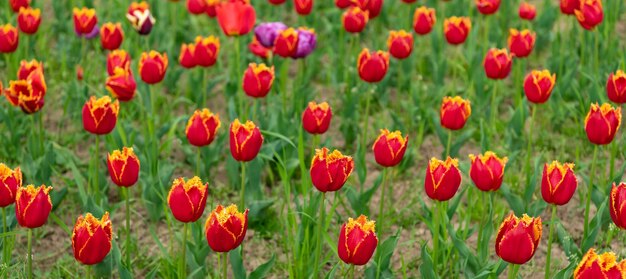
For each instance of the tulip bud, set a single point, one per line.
(258, 80)
(558, 183)
(117, 58)
(617, 204)
(100, 115)
(487, 7)
(357, 241)
(600, 266)
(354, 19)
(202, 127)
(28, 93)
(602, 123)
(211, 8)
(197, 7)
(569, 6)
(122, 84)
(423, 20)
(589, 14)
(267, 32)
(187, 57)
(456, 29)
(497, 63)
(372, 65)
(9, 38)
(303, 7)
(538, 86)
(80, 73)
(236, 18)
(32, 206)
(342, 4)
(91, 238)
(372, 6)
(307, 41)
(454, 112)
(286, 43)
(10, 181)
(152, 67)
(527, 11)
(226, 228)
(111, 36)
(521, 44)
(329, 172)
(28, 20)
(316, 118)
(27, 67)
(140, 17)
(443, 179)
(389, 148)
(276, 2)
(187, 199)
(487, 172)
(259, 50)
(16, 5)
(85, 22)
(123, 167)
(206, 50)
(400, 44)
(517, 238)
(616, 87)
(245, 140)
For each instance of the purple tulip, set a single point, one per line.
(307, 40)
(266, 32)
(93, 34)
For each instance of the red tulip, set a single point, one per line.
(123, 167)
(32, 206)
(276, 2)
(600, 266)
(454, 112)
(487, 171)
(245, 140)
(80, 73)
(589, 14)
(28, 20)
(342, 4)
(258, 80)
(389, 148)
(558, 183)
(197, 7)
(443, 179)
(122, 84)
(258, 49)
(28, 67)
(16, 5)
(400, 44)
(111, 36)
(100, 115)
(569, 6)
(303, 7)
(602, 123)
(372, 6)
(517, 238)
(424, 19)
(316, 118)
(9, 38)
(329, 172)
(10, 181)
(226, 228)
(152, 67)
(286, 43)
(202, 127)
(91, 238)
(85, 21)
(538, 86)
(211, 8)
(357, 241)
(497, 63)
(117, 58)
(616, 87)
(236, 17)
(521, 44)
(354, 19)
(372, 65)
(487, 7)
(527, 11)
(617, 205)
(187, 199)
(187, 57)
(207, 50)
(456, 29)
(28, 93)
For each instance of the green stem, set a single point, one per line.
(4, 239)
(449, 143)
(89, 272)
(198, 161)
(513, 270)
(318, 244)
(367, 117)
(550, 235)
(96, 187)
(352, 267)
(589, 191)
(529, 143)
(127, 245)
(494, 105)
(437, 222)
(225, 266)
(381, 207)
(183, 259)
(29, 269)
(236, 76)
(243, 185)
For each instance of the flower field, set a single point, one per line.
(312, 139)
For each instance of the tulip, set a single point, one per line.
(424, 19)
(558, 183)
(211, 8)
(307, 41)
(258, 80)
(27, 67)
(316, 118)
(9, 38)
(454, 112)
(456, 29)
(122, 84)
(569, 6)
(256, 48)
(187, 199)
(342, 4)
(372, 6)
(354, 19)
(100, 115)
(245, 140)
(236, 18)
(202, 127)
(497, 63)
(616, 87)
(286, 43)
(197, 7)
(400, 44)
(602, 123)
(517, 238)
(372, 65)
(600, 266)
(16, 5)
(117, 58)
(28, 93)
(123, 167)
(389, 148)
(28, 20)
(10, 181)
(329, 172)
(187, 57)
(538, 86)
(140, 17)
(85, 22)
(487, 7)
(80, 73)
(521, 44)
(589, 14)
(152, 67)
(276, 2)
(617, 202)
(409, 1)
(111, 36)
(443, 179)
(91, 238)
(527, 11)
(266, 33)
(226, 228)
(303, 7)
(206, 50)
(357, 241)
(32, 205)
(487, 172)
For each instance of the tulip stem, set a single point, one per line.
(198, 161)
(127, 246)
(243, 185)
(320, 225)
(449, 143)
(381, 209)
(513, 269)
(589, 191)
(494, 106)
(29, 269)
(352, 267)
(225, 266)
(96, 190)
(183, 263)
(550, 236)
(5, 237)
(436, 234)
(236, 75)
(529, 145)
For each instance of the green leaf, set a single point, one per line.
(427, 268)
(236, 263)
(262, 270)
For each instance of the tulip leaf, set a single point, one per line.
(382, 257)
(463, 250)
(236, 263)
(567, 242)
(277, 135)
(514, 201)
(262, 270)
(427, 268)
(595, 226)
